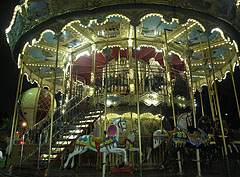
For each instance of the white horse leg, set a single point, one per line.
(72, 164)
(80, 150)
(123, 151)
(69, 158)
(149, 153)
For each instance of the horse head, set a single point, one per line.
(185, 120)
(119, 123)
(131, 136)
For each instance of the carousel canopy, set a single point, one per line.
(84, 27)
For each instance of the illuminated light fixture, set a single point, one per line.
(91, 91)
(152, 98)
(131, 74)
(92, 77)
(238, 3)
(130, 43)
(181, 101)
(112, 100)
(132, 88)
(24, 124)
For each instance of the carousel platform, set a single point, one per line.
(217, 169)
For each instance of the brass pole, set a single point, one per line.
(169, 82)
(191, 82)
(53, 95)
(217, 100)
(189, 55)
(213, 96)
(138, 108)
(93, 65)
(107, 54)
(14, 113)
(235, 91)
(20, 91)
(201, 99)
(63, 87)
(207, 81)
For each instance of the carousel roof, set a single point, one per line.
(36, 23)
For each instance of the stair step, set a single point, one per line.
(64, 142)
(69, 137)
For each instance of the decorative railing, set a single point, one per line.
(63, 120)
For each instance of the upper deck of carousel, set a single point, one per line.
(83, 26)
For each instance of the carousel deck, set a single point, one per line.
(217, 169)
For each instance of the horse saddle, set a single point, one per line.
(195, 135)
(171, 132)
(96, 139)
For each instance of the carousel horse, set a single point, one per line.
(129, 141)
(179, 137)
(110, 144)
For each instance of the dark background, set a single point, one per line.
(9, 78)
(9, 71)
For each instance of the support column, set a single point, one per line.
(207, 81)
(167, 60)
(20, 91)
(217, 100)
(137, 92)
(15, 110)
(234, 88)
(58, 35)
(93, 65)
(189, 53)
(201, 100)
(107, 52)
(213, 96)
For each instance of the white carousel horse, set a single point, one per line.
(110, 143)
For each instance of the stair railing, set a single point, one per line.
(65, 116)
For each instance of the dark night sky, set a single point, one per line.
(9, 77)
(9, 71)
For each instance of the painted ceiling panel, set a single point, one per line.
(154, 26)
(113, 25)
(193, 37)
(216, 53)
(73, 44)
(38, 55)
(49, 38)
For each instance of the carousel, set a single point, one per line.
(126, 72)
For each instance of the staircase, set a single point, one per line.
(71, 121)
